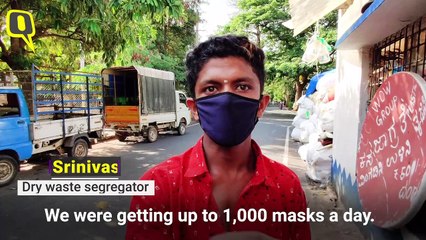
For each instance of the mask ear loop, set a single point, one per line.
(199, 118)
(257, 119)
(195, 102)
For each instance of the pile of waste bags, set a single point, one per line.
(313, 126)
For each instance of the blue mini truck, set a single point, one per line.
(67, 111)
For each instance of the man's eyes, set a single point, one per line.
(210, 89)
(238, 88)
(243, 87)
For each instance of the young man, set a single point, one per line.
(225, 172)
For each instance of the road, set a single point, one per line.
(23, 217)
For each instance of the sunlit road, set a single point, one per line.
(24, 218)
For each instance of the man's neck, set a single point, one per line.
(239, 158)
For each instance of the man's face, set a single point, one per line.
(229, 74)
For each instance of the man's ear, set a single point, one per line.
(190, 102)
(263, 103)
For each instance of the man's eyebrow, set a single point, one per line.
(210, 81)
(220, 81)
(245, 79)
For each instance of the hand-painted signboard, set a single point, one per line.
(391, 159)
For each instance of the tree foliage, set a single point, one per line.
(166, 46)
(81, 26)
(262, 21)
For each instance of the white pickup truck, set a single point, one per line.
(140, 102)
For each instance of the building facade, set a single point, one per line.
(373, 44)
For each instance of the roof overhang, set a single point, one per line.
(381, 19)
(304, 13)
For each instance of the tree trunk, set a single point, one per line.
(300, 85)
(258, 39)
(287, 100)
(15, 59)
(15, 56)
(82, 57)
(26, 83)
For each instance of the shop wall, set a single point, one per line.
(353, 67)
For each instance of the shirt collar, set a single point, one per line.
(197, 161)
(197, 164)
(262, 173)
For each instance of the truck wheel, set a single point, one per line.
(120, 137)
(152, 134)
(80, 149)
(8, 169)
(182, 128)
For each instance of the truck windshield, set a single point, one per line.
(9, 104)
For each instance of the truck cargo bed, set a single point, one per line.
(54, 129)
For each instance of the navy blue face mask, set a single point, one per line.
(227, 118)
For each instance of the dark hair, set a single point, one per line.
(221, 47)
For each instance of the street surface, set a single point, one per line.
(23, 217)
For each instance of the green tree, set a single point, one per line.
(262, 21)
(91, 25)
(166, 45)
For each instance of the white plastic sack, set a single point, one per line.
(326, 82)
(326, 110)
(314, 120)
(313, 146)
(326, 116)
(316, 109)
(326, 125)
(330, 95)
(316, 50)
(305, 102)
(303, 151)
(295, 134)
(322, 155)
(313, 138)
(319, 166)
(319, 173)
(324, 135)
(307, 128)
(315, 97)
(297, 121)
(304, 113)
(300, 100)
(304, 136)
